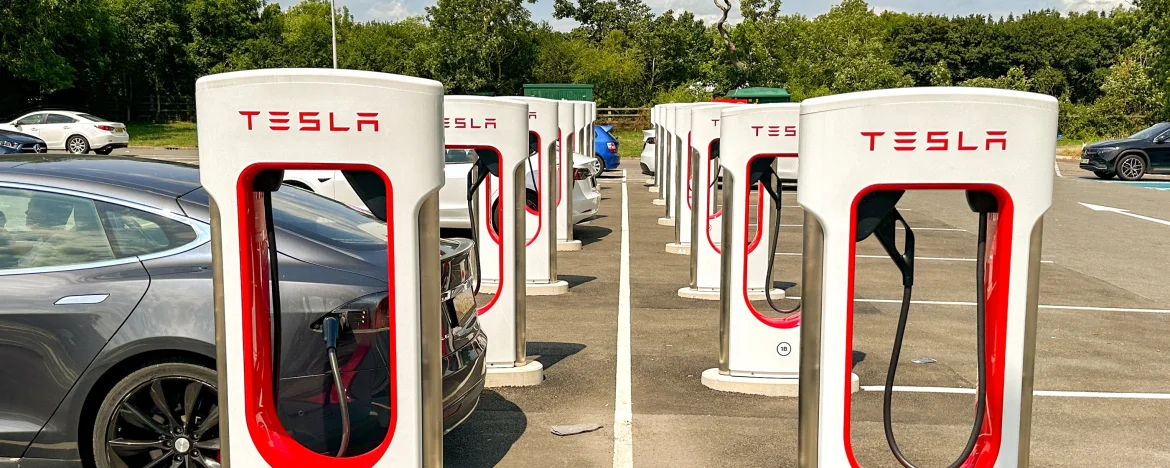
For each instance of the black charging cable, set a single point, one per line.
(762, 173)
(330, 331)
(274, 291)
(473, 181)
(886, 235)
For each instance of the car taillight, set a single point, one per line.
(580, 174)
(612, 147)
(105, 127)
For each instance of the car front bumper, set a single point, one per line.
(1098, 162)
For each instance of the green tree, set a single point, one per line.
(480, 45)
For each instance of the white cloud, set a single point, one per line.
(882, 9)
(1094, 5)
(392, 10)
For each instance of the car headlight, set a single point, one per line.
(10, 144)
(1109, 149)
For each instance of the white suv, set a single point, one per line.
(75, 132)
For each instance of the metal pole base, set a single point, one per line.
(766, 386)
(528, 375)
(555, 288)
(568, 246)
(679, 248)
(666, 221)
(654, 189)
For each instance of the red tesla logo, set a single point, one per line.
(310, 121)
(465, 122)
(775, 130)
(714, 122)
(941, 140)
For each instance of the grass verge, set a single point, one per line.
(167, 135)
(629, 143)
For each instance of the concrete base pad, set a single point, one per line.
(568, 246)
(713, 294)
(528, 375)
(666, 221)
(766, 386)
(678, 249)
(555, 288)
(659, 202)
(654, 189)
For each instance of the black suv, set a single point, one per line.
(1145, 152)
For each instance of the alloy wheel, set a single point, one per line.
(1132, 167)
(77, 145)
(167, 422)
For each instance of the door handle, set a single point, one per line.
(85, 299)
(66, 127)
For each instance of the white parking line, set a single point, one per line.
(1056, 165)
(1043, 393)
(1042, 306)
(932, 259)
(623, 412)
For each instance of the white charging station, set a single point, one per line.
(662, 148)
(655, 125)
(540, 224)
(759, 350)
(566, 128)
(858, 146)
(580, 122)
(680, 204)
(706, 228)
(269, 120)
(499, 126)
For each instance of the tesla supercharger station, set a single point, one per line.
(580, 122)
(254, 124)
(498, 126)
(590, 131)
(662, 151)
(758, 346)
(706, 229)
(540, 223)
(679, 208)
(656, 126)
(994, 145)
(566, 128)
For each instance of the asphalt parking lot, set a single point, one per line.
(1102, 351)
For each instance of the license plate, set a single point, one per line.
(119, 130)
(1084, 160)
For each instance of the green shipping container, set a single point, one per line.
(559, 91)
(761, 95)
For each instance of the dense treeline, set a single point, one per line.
(138, 59)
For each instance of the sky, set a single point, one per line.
(391, 10)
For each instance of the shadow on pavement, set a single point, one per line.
(487, 436)
(590, 234)
(576, 280)
(550, 353)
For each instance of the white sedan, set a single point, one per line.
(453, 195)
(75, 132)
(648, 152)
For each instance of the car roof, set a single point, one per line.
(138, 180)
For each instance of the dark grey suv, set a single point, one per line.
(107, 327)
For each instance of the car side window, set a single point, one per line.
(43, 229)
(134, 232)
(1163, 137)
(59, 119)
(34, 119)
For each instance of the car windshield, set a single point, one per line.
(327, 221)
(460, 156)
(1150, 132)
(92, 118)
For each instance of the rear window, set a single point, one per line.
(92, 118)
(326, 221)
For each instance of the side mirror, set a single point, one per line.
(1159, 140)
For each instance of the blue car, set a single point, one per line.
(16, 142)
(605, 147)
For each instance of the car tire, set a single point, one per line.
(1131, 167)
(131, 429)
(104, 151)
(601, 168)
(77, 144)
(1105, 174)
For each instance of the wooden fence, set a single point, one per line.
(624, 118)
